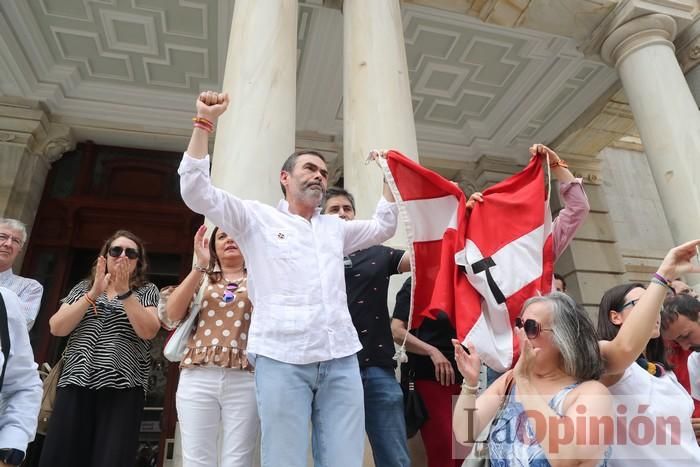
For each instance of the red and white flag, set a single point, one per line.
(477, 267)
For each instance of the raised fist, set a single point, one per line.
(211, 104)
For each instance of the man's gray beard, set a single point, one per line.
(313, 195)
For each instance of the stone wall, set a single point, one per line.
(638, 217)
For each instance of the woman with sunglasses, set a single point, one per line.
(216, 381)
(110, 318)
(636, 371)
(554, 378)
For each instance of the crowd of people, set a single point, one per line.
(292, 334)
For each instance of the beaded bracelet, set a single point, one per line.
(466, 389)
(200, 269)
(661, 278)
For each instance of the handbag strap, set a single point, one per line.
(509, 388)
(510, 381)
(4, 338)
(200, 293)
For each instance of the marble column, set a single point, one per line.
(257, 132)
(377, 107)
(665, 114)
(377, 114)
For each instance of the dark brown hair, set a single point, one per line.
(680, 305)
(614, 299)
(291, 161)
(215, 274)
(138, 277)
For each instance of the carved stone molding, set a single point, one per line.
(7, 137)
(688, 46)
(466, 181)
(618, 23)
(489, 170)
(637, 33)
(58, 140)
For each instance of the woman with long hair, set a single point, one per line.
(110, 318)
(216, 385)
(554, 377)
(641, 389)
(637, 373)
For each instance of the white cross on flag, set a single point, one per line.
(478, 267)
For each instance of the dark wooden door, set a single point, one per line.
(90, 193)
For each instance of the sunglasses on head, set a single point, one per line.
(532, 328)
(116, 252)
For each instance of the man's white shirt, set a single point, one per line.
(295, 267)
(20, 396)
(28, 290)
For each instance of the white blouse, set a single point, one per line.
(653, 421)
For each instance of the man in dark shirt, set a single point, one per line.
(431, 358)
(367, 275)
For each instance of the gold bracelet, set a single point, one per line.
(200, 269)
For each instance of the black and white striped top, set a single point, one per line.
(104, 351)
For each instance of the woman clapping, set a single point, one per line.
(110, 318)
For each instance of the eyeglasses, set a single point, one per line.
(630, 303)
(532, 328)
(229, 294)
(16, 241)
(116, 252)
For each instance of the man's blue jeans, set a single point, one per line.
(329, 394)
(384, 418)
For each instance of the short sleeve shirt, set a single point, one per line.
(221, 331)
(367, 274)
(104, 351)
(436, 332)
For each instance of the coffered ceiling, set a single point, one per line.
(136, 65)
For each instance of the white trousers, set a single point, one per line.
(218, 417)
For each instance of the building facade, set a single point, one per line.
(96, 100)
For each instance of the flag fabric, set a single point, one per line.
(479, 267)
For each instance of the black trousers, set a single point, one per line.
(93, 428)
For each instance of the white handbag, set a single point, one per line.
(176, 346)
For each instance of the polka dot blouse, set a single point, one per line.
(221, 329)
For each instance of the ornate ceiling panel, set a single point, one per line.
(150, 43)
(493, 90)
(477, 88)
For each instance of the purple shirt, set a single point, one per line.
(570, 218)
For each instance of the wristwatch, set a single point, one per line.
(11, 456)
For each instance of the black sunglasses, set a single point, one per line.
(532, 328)
(116, 252)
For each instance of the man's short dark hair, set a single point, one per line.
(561, 278)
(680, 305)
(334, 192)
(291, 161)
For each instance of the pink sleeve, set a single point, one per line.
(571, 217)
